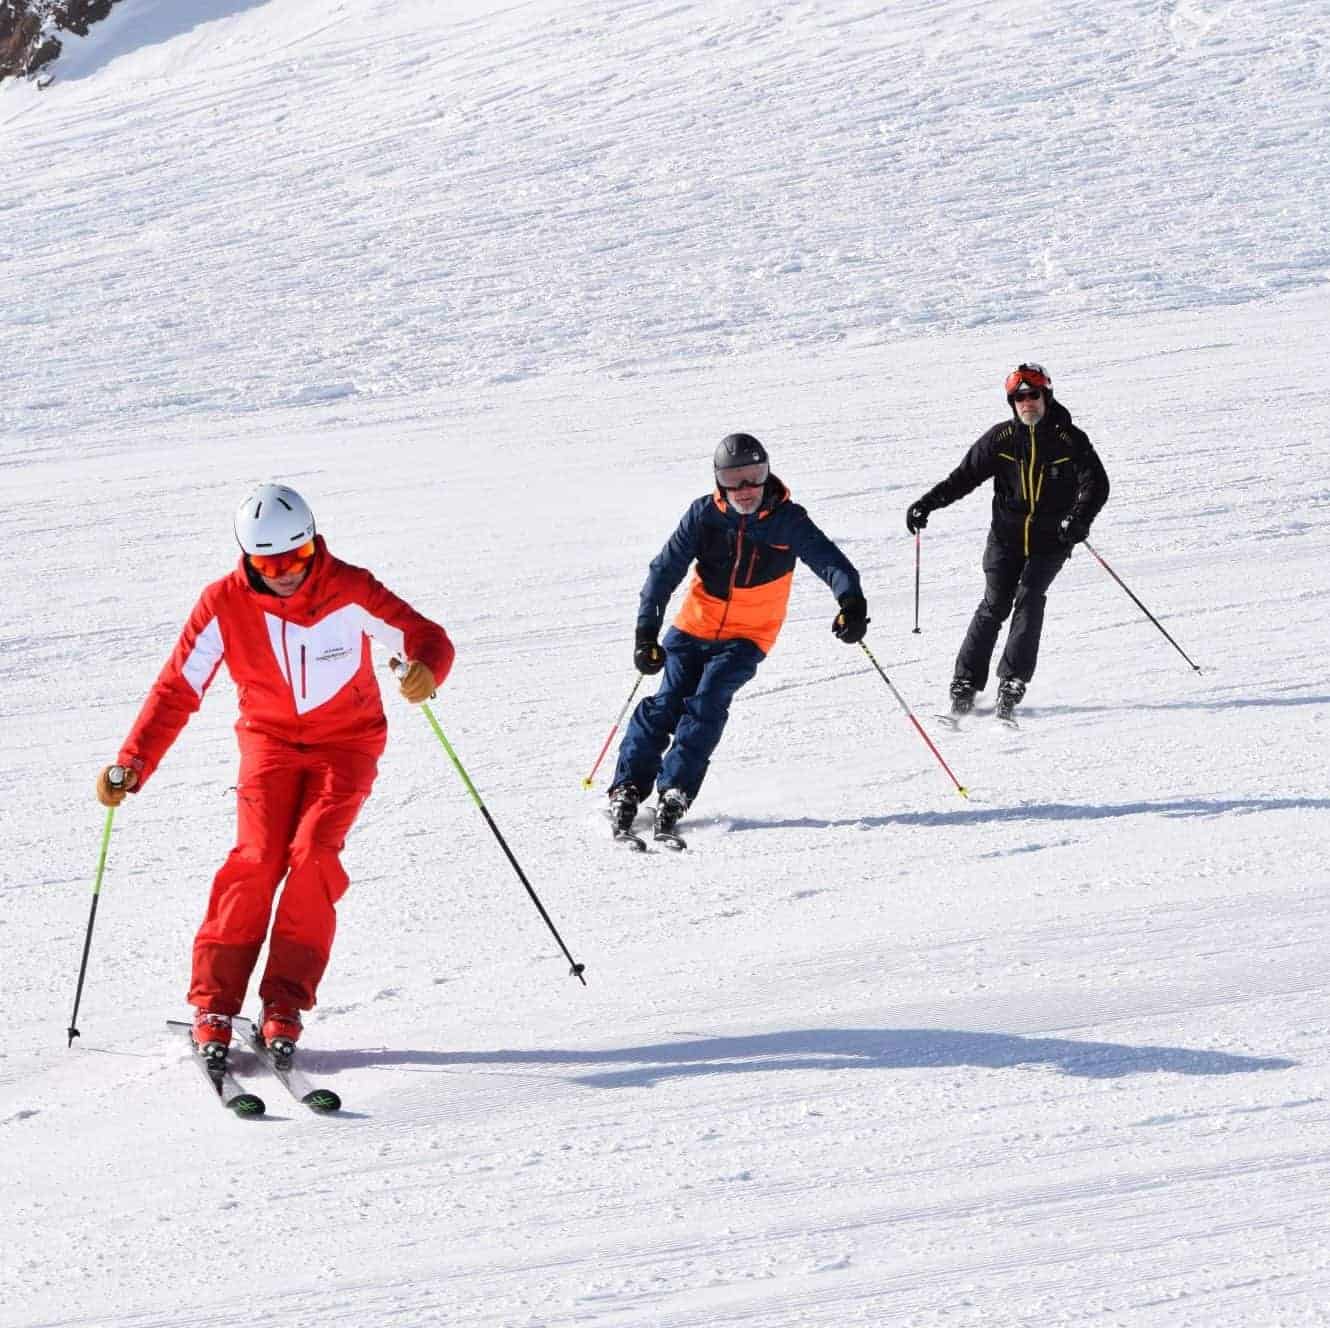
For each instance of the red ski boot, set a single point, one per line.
(280, 1031)
(211, 1034)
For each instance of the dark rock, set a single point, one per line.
(28, 29)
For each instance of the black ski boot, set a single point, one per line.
(962, 696)
(1010, 691)
(623, 808)
(670, 807)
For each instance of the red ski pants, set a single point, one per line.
(294, 808)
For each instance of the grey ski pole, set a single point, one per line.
(1141, 606)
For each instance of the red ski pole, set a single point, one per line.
(586, 783)
(960, 788)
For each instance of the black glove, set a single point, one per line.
(852, 620)
(917, 516)
(1072, 530)
(648, 654)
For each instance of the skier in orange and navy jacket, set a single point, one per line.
(745, 538)
(293, 625)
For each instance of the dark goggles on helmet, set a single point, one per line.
(280, 564)
(753, 476)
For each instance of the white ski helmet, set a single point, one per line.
(273, 519)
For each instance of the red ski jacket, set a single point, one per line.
(301, 665)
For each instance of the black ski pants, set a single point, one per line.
(1016, 583)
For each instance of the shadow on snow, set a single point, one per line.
(1219, 704)
(1043, 811)
(829, 1049)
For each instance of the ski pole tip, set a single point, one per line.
(576, 972)
(963, 791)
(586, 783)
(73, 1033)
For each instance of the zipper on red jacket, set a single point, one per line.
(303, 693)
(286, 659)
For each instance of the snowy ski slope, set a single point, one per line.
(487, 281)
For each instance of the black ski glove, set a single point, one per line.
(1072, 530)
(852, 620)
(916, 518)
(648, 654)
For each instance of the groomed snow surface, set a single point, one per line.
(487, 287)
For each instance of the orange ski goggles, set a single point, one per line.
(279, 564)
(1032, 375)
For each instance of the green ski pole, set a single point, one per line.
(116, 777)
(577, 970)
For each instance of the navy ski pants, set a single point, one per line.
(691, 706)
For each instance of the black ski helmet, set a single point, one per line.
(739, 449)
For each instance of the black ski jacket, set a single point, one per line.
(1039, 474)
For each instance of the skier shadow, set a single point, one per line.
(828, 1049)
(1236, 703)
(1043, 811)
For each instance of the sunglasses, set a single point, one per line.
(743, 477)
(1027, 394)
(279, 564)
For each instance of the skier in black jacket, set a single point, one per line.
(1048, 487)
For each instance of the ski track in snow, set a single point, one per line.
(488, 288)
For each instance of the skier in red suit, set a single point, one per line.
(293, 624)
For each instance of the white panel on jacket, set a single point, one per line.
(390, 637)
(318, 661)
(203, 657)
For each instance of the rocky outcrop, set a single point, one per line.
(29, 30)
